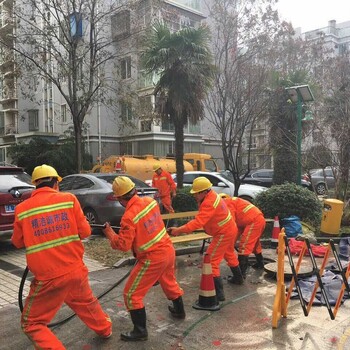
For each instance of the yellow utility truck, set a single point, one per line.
(141, 167)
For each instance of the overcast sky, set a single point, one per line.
(313, 14)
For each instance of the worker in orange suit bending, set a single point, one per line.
(217, 221)
(142, 230)
(251, 224)
(50, 225)
(166, 186)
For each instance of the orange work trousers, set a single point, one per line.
(166, 202)
(222, 247)
(45, 299)
(250, 237)
(159, 266)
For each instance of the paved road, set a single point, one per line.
(242, 323)
(12, 265)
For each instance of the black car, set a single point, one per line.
(15, 187)
(95, 195)
(263, 177)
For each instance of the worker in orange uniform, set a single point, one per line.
(50, 225)
(142, 230)
(217, 221)
(251, 224)
(166, 186)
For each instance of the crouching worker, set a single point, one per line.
(217, 221)
(50, 225)
(142, 230)
(251, 224)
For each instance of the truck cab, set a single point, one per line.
(201, 162)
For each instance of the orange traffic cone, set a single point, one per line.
(207, 296)
(275, 233)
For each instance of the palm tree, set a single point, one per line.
(182, 60)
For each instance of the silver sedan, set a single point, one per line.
(94, 192)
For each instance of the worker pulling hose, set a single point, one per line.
(58, 323)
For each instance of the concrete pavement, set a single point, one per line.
(244, 321)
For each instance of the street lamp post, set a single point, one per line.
(299, 94)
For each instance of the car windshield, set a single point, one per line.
(227, 177)
(16, 179)
(110, 179)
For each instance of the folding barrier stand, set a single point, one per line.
(282, 300)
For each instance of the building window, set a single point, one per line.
(146, 125)
(125, 68)
(33, 117)
(126, 111)
(120, 23)
(64, 113)
(2, 123)
(76, 25)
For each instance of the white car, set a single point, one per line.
(222, 184)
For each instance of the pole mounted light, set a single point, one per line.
(299, 95)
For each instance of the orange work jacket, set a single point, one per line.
(243, 211)
(164, 183)
(50, 225)
(142, 228)
(214, 216)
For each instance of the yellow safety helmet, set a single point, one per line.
(156, 166)
(200, 184)
(224, 195)
(122, 185)
(43, 171)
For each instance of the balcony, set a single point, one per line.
(10, 129)
(10, 97)
(6, 27)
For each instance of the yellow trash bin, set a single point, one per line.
(331, 216)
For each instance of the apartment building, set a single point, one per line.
(129, 128)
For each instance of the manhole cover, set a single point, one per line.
(304, 270)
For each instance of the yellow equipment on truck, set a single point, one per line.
(141, 167)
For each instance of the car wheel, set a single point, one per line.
(92, 218)
(321, 188)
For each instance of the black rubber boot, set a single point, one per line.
(139, 332)
(237, 277)
(259, 261)
(243, 264)
(219, 288)
(177, 310)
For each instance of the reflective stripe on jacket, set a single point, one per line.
(142, 228)
(164, 183)
(244, 211)
(49, 225)
(214, 216)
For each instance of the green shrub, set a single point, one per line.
(184, 201)
(290, 199)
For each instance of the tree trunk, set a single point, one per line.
(78, 155)
(179, 150)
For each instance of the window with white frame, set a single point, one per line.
(64, 113)
(33, 118)
(126, 110)
(125, 68)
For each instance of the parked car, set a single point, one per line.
(15, 187)
(223, 184)
(321, 179)
(263, 177)
(95, 195)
